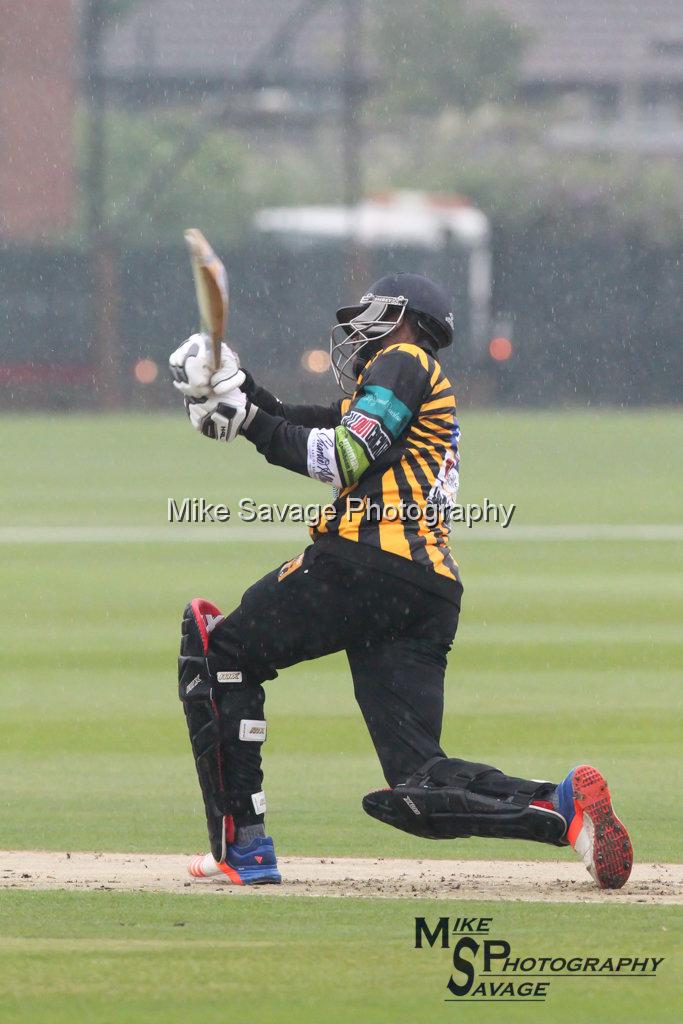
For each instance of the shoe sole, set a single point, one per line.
(252, 876)
(597, 835)
(204, 866)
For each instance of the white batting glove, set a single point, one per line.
(191, 367)
(199, 410)
(221, 416)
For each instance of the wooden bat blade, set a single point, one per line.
(212, 289)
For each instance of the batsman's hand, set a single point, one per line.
(224, 414)
(191, 367)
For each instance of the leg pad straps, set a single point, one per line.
(225, 721)
(449, 798)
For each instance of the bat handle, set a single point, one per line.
(216, 345)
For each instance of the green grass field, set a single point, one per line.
(567, 651)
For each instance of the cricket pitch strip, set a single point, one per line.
(526, 881)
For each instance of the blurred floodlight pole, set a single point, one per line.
(103, 259)
(95, 96)
(352, 134)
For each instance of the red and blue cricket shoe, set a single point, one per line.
(593, 829)
(254, 864)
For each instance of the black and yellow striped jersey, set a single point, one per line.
(400, 428)
(390, 452)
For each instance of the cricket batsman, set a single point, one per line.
(382, 587)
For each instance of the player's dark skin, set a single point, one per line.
(404, 334)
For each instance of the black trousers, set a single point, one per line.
(396, 637)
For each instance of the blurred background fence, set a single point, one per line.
(123, 122)
(594, 321)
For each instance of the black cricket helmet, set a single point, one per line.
(381, 309)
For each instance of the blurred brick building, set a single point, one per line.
(37, 101)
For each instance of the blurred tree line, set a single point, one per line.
(445, 117)
(587, 249)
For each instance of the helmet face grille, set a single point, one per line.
(380, 311)
(382, 315)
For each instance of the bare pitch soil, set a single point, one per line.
(527, 881)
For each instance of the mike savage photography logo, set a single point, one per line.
(200, 510)
(484, 968)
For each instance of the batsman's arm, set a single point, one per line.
(389, 396)
(332, 455)
(302, 415)
(280, 442)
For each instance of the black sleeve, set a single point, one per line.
(282, 443)
(339, 451)
(301, 415)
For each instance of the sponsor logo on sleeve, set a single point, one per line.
(322, 464)
(368, 432)
(347, 455)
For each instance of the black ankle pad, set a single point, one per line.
(481, 779)
(449, 799)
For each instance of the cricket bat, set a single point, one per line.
(211, 286)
